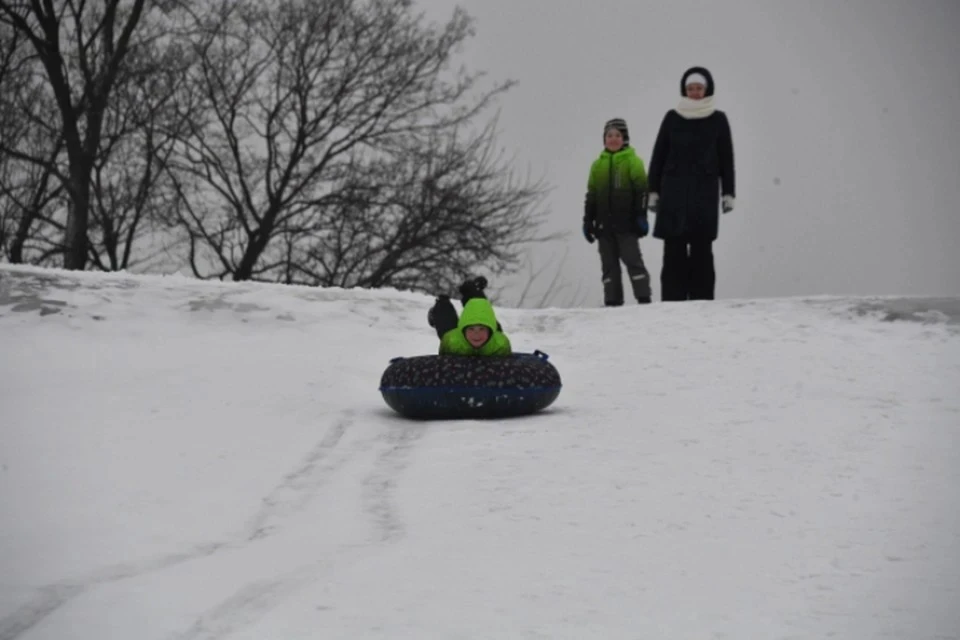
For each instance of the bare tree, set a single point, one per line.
(30, 231)
(98, 35)
(130, 190)
(28, 193)
(309, 105)
(439, 209)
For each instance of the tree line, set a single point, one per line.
(317, 142)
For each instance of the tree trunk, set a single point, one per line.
(20, 237)
(255, 248)
(75, 237)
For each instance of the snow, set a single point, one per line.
(196, 460)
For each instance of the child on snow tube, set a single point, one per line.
(476, 332)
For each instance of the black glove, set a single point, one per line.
(473, 288)
(588, 231)
(442, 316)
(643, 227)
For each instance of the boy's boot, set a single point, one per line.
(473, 288)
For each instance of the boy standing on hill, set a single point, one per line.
(615, 214)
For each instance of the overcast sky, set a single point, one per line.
(844, 116)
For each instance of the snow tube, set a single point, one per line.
(466, 387)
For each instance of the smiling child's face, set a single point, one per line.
(613, 140)
(477, 335)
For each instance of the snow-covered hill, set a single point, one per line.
(194, 460)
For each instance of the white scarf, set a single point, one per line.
(694, 109)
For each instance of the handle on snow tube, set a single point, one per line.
(540, 354)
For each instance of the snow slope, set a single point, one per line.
(194, 460)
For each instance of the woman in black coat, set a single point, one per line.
(691, 167)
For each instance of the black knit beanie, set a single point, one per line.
(620, 125)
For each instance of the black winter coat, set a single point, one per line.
(692, 163)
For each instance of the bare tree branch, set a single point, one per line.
(295, 94)
(557, 292)
(424, 218)
(81, 80)
(131, 189)
(30, 195)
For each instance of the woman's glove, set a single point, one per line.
(728, 202)
(653, 202)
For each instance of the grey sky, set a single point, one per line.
(844, 116)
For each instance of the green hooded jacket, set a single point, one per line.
(476, 311)
(616, 191)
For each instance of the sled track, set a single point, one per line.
(254, 600)
(52, 597)
(291, 495)
(300, 485)
(379, 484)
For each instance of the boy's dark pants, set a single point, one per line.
(688, 271)
(617, 248)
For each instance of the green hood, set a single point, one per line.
(478, 311)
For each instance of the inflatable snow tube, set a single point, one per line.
(467, 387)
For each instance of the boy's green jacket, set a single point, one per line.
(616, 192)
(476, 311)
